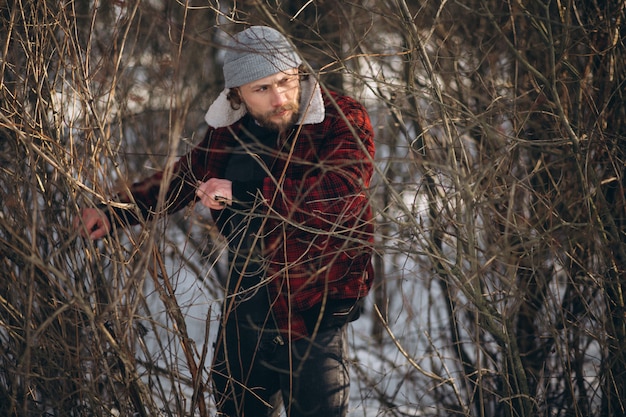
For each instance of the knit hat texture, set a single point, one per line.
(256, 53)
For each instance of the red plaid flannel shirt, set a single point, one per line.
(319, 229)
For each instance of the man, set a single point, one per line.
(284, 170)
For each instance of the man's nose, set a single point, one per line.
(279, 97)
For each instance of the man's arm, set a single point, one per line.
(93, 223)
(204, 162)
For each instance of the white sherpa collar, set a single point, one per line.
(220, 114)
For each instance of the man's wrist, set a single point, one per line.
(106, 210)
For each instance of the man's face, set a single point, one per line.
(273, 101)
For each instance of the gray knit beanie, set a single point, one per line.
(256, 53)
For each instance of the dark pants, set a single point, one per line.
(251, 371)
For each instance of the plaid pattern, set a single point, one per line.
(318, 232)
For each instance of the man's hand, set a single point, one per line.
(92, 223)
(215, 193)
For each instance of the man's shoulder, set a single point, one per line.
(224, 133)
(335, 102)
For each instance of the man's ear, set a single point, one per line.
(234, 97)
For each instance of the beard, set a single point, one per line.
(265, 119)
(267, 122)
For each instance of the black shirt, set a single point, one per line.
(248, 165)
